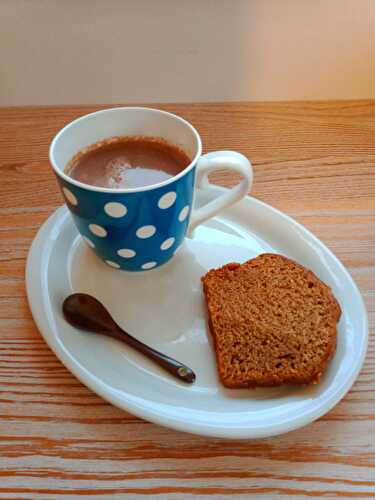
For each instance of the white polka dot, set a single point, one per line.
(146, 232)
(167, 244)
(149, 265)
(98, 230)
(167, 200)
(126, 253)
(89, 242)
(115, 209)
(113, 264)
(184, 213)
(70, 196)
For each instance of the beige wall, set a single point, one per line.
(92, 51)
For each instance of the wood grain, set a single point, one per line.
(316, 162)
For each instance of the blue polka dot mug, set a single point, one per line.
(140, 229)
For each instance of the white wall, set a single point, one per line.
(102, 51)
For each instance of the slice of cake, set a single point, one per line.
(272, 320)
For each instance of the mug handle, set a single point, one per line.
(219, 160)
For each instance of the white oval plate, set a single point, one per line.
(165, 308)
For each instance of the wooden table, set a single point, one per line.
(316, 162)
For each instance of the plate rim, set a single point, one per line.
(34, 279)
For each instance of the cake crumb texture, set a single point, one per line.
(272, 320)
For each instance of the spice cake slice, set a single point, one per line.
(272, 320)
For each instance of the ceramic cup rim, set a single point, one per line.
(60, 172)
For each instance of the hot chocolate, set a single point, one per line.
(127, 162)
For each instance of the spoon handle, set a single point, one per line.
(174, 367)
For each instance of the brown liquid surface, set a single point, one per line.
(127, 162)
